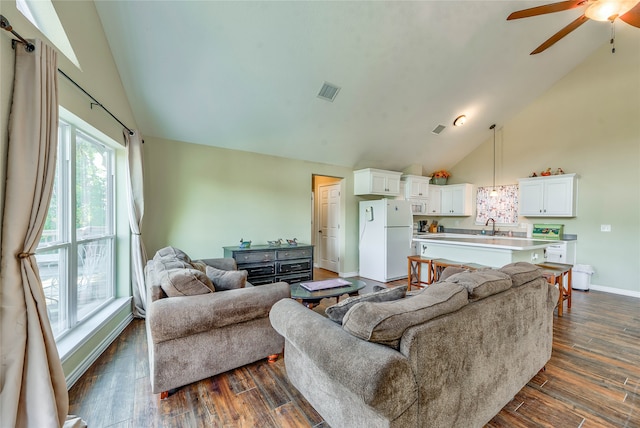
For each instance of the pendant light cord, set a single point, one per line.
(494, 155)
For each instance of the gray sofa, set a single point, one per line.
(206, 327)
(452, 355)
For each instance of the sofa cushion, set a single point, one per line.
(171, 253)
(227, 279)
(521, 272)
(386, 322)
(185, 282)
(337, 312)
(482, 283)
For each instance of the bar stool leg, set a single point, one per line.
(569, 288)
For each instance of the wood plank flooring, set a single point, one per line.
(592, 380)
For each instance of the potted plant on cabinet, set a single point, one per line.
(440, 177)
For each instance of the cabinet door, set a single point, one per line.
(446, 201)
(378, 183)
(531, 198)
(558, 197)
(393, 185)
(434, 205)
(457, 201)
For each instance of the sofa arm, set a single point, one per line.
(376, 374)
(175, 317)
(223, 263)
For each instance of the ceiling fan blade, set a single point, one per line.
(547, 8)
(560, 34)
(633, 16)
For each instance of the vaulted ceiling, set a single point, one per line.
(245, 74)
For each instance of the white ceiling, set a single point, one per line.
(244, 75)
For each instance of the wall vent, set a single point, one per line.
(328, 92)
(438, 129)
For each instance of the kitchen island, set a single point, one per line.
(491, 251)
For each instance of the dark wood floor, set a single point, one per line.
(592, 380)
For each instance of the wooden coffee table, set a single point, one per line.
(312, 298)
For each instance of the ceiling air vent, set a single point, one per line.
(438, 129)
(328, 91)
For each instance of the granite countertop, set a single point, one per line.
(501, 242)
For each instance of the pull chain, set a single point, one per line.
(612, 42)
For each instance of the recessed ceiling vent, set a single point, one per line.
(328, 92)
(438, 129)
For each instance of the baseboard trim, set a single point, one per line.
(84, 365)
(612, 290)
(347, 274)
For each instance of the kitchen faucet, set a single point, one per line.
(493, 226)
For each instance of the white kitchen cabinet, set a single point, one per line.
(455, 199)
(416, 186)
(433, 204)
(372, 181)
(451, 200)
(552, 196)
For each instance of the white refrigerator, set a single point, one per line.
(386, 229)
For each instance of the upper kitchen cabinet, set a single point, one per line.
(453, 200)
(416, 186)
(371, 181)
(552, 196)
(433, 204)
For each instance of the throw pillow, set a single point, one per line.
(521, 272)
(337, 312)
(172, 253)
(386, 322)
(482, 283)
(227, 279)
(185, 282)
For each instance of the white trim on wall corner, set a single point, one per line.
(347, 274)
(621, 291)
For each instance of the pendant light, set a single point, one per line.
(494, 192)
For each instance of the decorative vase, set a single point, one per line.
(439, 180)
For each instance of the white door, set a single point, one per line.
(329, 239)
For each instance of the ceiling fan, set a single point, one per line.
(598, 10)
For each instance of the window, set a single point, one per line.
(76, 254)
(43, 15)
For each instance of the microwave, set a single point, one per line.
(418, 207)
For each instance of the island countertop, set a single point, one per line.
(491, 242)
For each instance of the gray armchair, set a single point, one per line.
(193, 337)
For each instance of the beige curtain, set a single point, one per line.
(135, 190)
(34, 392)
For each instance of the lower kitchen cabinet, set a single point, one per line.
(265, 264)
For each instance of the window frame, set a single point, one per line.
(67, 242)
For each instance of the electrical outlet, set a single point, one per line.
(534, 257)
(605, 228)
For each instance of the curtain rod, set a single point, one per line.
(4, 23)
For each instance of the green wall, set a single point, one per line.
(200, 199)
(587, 123)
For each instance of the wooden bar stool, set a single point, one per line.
(414, 276)
(559, 274)
(438, 265)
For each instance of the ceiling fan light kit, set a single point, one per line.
(597, 10)
(608, 10)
